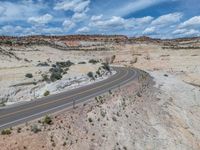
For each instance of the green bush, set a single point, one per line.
(45, 77)
(46, 93)
(82, 62)
(106, 67)
(90, 75)
(35, 129)
(64, 64)
(90, 119)
(92, 61)
(6, 132)
(29, 75)
(55, 76)
(47, 120)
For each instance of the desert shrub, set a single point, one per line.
(90, 75)
(112, 59)
(114, 118)
(44, 64)
(98, 72)
(103, 113)
(8, 42)
(56, 69)
(64, 144)
(2, 104)
(56, 73)
(93, 61)
(55, 76)
(106, 66)
(29, 75)
(47, 120)
(35, 129)
(46, 93)
(6, 132)
(19, 130)
(90, 119)
(82, 62)
(64, 64)
(45, 77)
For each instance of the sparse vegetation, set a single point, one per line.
(106, 67)
(59, 69)
(29, 75)
(35, 129)
(93, 61)
(90, 119)
(47, 120)
(44, 64)
(46, 93)
(90, 75)
(19, 130)
(82, 62)
(6, 132)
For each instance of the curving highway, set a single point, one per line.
(17, 114)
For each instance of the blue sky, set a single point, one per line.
(154, 18)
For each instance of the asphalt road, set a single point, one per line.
(18, 114)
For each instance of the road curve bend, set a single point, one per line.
(18, 114)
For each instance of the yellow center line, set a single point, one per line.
(37, 106)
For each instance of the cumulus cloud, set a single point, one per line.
(192, 32)
(112, 23)
(133, 6)
(68, 24)
(186, 32)
(83, 30)
(192, 22)
(96, 18)
(20, 10)
(138, 23)
(53, 30)
(149, 30)
(40, 20)
(167, 19)
(73, 5)
(77, 17)
(179, 31)
(116, 23)
(2, 10)
(10, 30)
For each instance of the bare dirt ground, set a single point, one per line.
(162, 115)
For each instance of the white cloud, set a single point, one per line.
(53, 30)
(73, 5)
(149, 30)
(11, 30)
(2, 10)
(135, 23)
(186, 32)
(167, 19)
(10, 11)
(192, 32)
(192, 22)
(68, 24)
(118, 23)
(112, 23)
(179, 31)
(83, 30)
(40, 20)
(131, 7)
(77, 17)
(96, 18)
